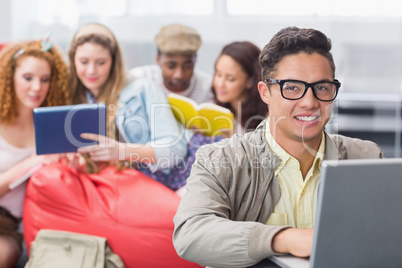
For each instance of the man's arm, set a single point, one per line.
(298, 242)
(205, 229)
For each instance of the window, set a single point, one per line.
(68, 12)
(313, 8)
(171, 7)
(103, 8)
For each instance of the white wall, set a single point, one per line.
(5, 20)
(380, 38)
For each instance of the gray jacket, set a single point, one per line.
(231, 193)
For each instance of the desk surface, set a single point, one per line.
(265, 264)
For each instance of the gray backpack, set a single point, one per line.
(62, 249)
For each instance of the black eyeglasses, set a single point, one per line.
(295, 89)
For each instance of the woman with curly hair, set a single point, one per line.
(32, 74)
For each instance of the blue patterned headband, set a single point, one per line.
(45, 45)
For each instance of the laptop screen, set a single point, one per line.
(359, 218)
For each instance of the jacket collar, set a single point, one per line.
(258, 137)
(331, 150)
(266, 156)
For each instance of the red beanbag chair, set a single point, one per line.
(134, 212)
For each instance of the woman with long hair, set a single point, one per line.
(32, 74)
(234, 86)
(142, 130)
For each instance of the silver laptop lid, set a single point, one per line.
(359, 214)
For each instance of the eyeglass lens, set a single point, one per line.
(323, 91)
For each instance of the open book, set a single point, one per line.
(208, 118)
(24, 177)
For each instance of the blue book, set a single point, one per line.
(58, 128)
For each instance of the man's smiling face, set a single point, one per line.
(304, 119)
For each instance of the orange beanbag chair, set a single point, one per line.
(134, 212)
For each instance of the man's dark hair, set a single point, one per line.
(291, 41)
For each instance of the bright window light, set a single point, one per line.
(105, 8)
(67, 12)
(355, 8)
(63, 12)
(171, 7)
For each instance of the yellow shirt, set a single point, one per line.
(297, 204)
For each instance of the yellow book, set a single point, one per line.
(209, 118)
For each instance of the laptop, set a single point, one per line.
(58, 128)
(359, 216)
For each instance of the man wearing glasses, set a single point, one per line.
(255, 196)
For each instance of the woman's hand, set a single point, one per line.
(47, 159)
(75, 160)
(226, 132)
(107, 148)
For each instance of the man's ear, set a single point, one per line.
(265, 94)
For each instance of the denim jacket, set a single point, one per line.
(144, 116)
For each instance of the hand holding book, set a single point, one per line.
(208, 118)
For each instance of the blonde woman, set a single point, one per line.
(147, 133)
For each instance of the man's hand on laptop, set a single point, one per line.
(297, 242)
